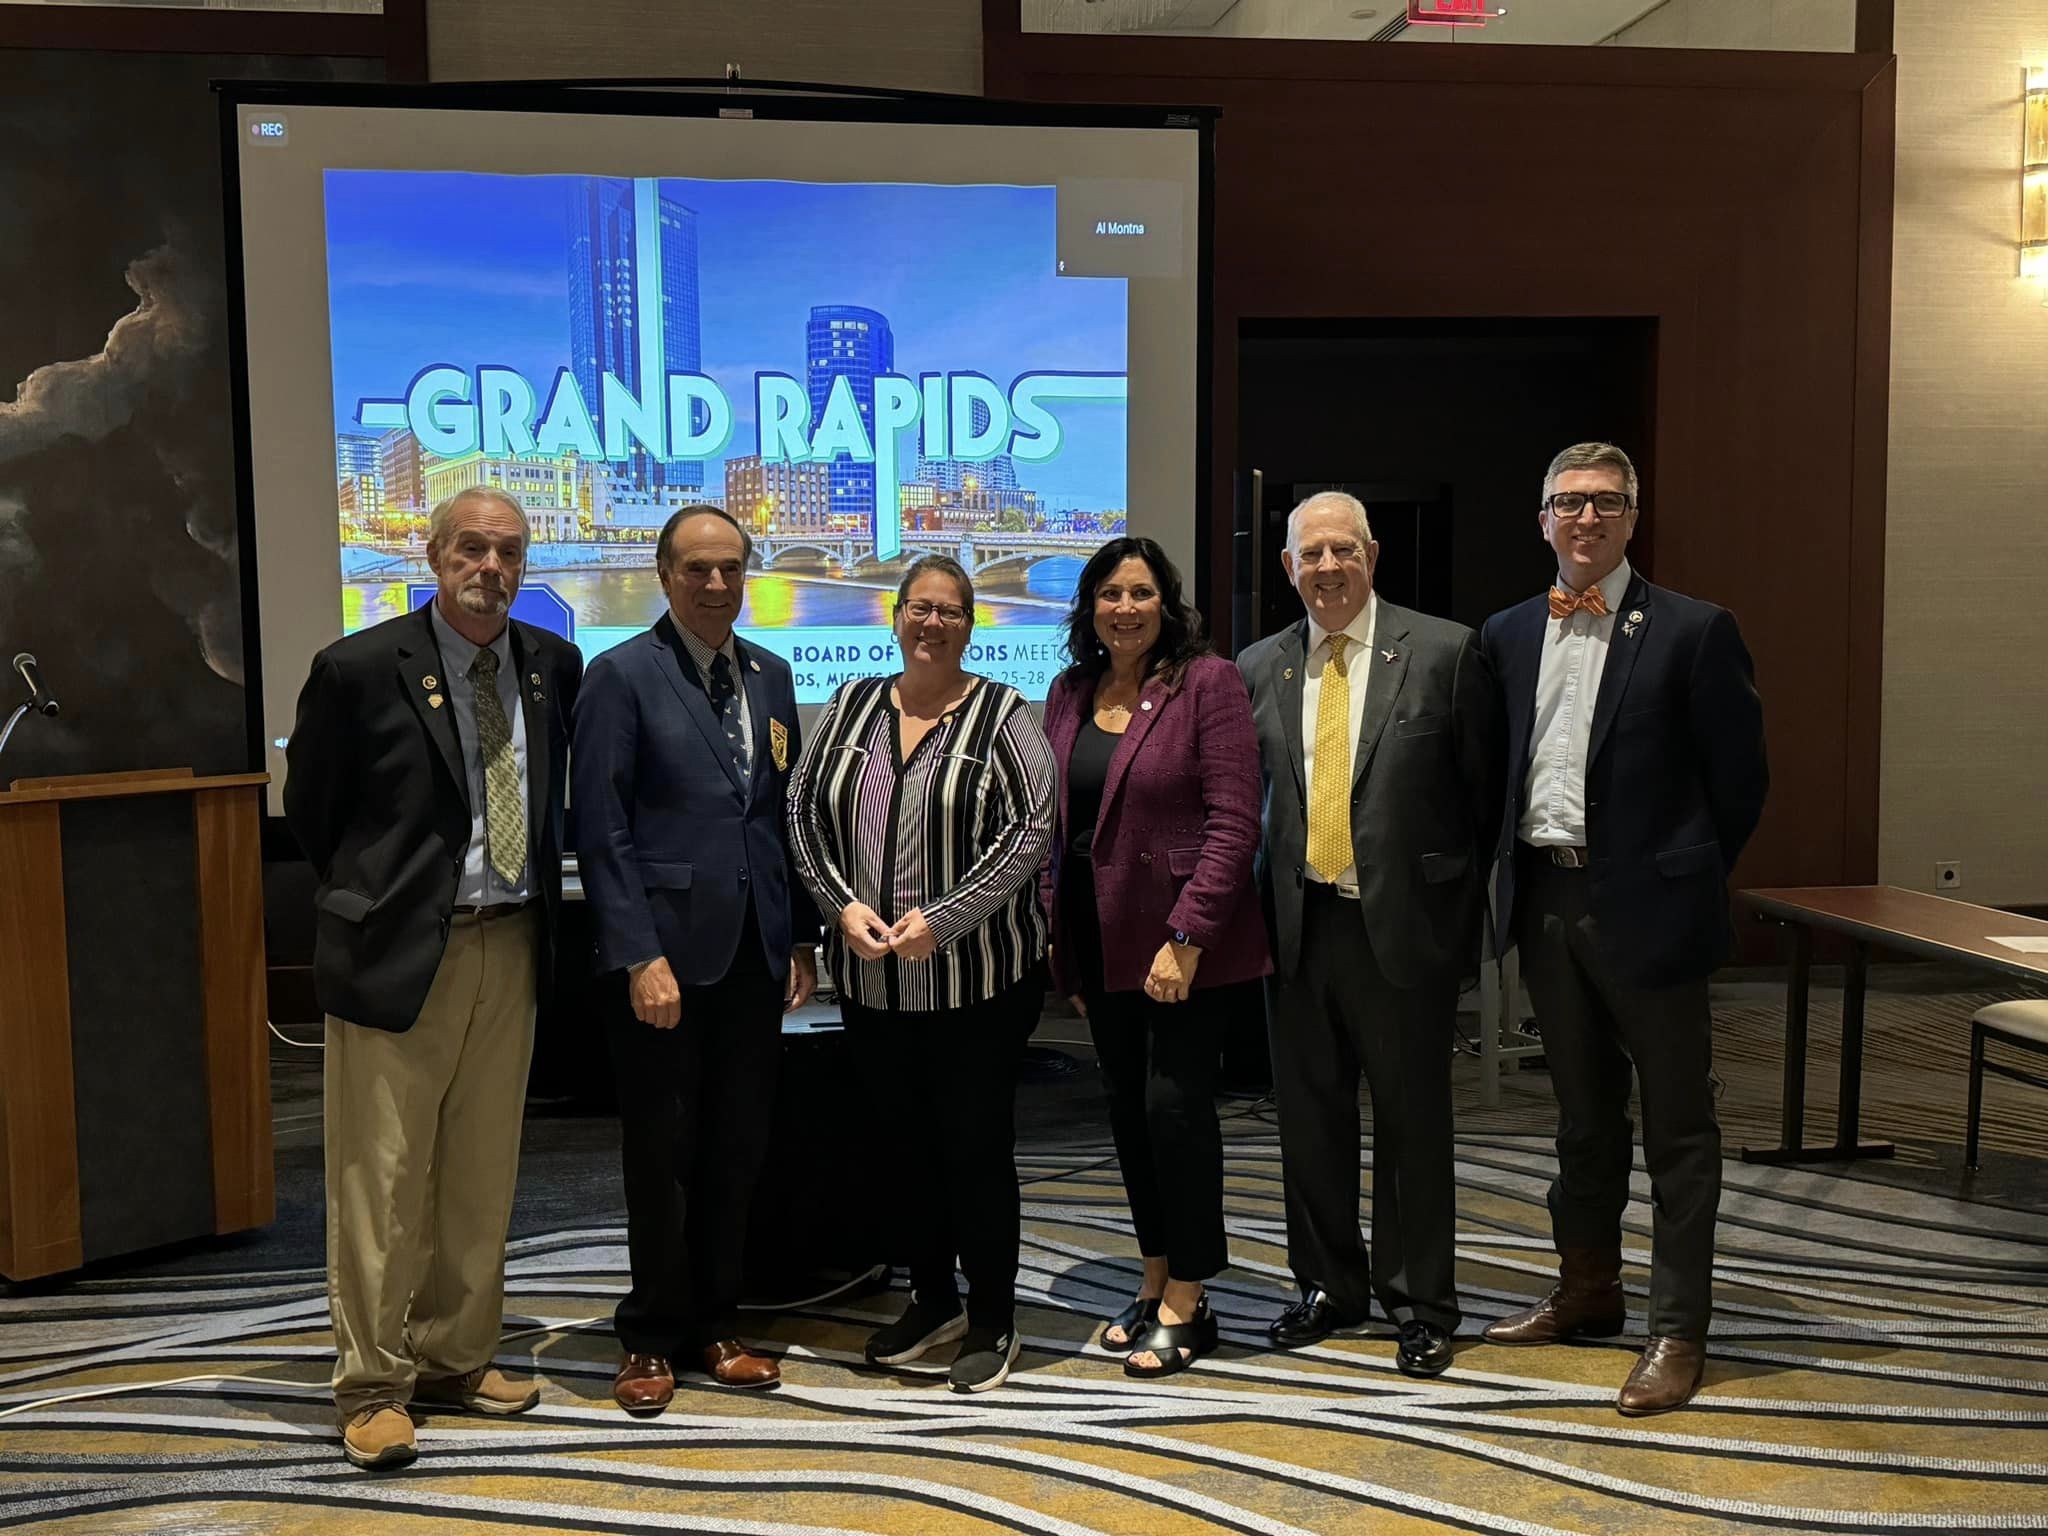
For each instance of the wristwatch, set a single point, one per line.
(1181, 938)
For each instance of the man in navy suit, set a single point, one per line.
(685, 739)
(1635, 775)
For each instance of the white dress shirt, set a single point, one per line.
(480, 885)
(1360, 630)
(703, 656)
(1567, 688)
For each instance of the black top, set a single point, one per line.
(1087, 775)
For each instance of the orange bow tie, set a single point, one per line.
(1564, 602)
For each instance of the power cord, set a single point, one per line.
(304, 1045)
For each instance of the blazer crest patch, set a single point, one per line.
(778, 744)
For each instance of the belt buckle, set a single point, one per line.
(1566, 857)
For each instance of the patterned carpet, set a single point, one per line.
(1879, 1364)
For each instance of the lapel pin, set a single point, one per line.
(430, 681)
(1628, 629)
(1146, 705)
(754, 664)
(534, 678)
(1389, 655)
(1636, 617)
(434, 699)
(1286, 672)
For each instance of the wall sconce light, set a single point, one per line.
(2034, 178)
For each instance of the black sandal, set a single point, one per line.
(1136, 1319)
(1166, 1341)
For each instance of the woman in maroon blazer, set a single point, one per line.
(1153, 909)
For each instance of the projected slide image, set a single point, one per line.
(859, 374)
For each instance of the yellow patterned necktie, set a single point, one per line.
(504, 812)
(1329, 790)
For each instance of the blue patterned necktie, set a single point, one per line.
(725, 698)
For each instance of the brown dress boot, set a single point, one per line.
(1666, 1377)
(1585, 1303)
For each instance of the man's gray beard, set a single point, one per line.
(484, 603)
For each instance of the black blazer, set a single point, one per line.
(1425, 790)
(1675, 777)
(376, 795)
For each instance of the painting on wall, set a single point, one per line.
(118, 548)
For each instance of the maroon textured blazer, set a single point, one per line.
(1178, 831)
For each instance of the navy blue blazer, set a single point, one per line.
(671, 842)
(1675, 777)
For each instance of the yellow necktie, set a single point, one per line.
(1329, 789)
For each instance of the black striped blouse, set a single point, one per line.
(958, 831)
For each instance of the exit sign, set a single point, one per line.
(1449, 13)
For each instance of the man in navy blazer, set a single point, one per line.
(685, 740)
(1635, 768)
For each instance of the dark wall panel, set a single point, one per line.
(1730, 201)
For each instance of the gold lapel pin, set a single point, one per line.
(434, 699)
(754, 664)
(1286, 673)
(430, 681)
(534, 678)
(1636, 617)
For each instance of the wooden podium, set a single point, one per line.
(134, 1058)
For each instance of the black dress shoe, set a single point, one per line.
(1425, 1349)
(1311, 1320)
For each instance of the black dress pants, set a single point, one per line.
(942, 1086)
(1598, 1032)
(1336, 1016)
(695, 1107)
(1160, 1062)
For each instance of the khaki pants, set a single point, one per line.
(422, 1139)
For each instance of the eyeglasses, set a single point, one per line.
(917, 610)
(1573, 503)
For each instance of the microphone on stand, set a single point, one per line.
(31, 674)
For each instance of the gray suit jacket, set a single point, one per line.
(1426, 791)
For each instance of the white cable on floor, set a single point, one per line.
(304, 1045)
(118, 1388)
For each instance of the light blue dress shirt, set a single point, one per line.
(480, 885)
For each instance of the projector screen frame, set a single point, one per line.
(774, 100)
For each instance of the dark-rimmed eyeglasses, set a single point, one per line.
(1573, 503)
(917, 610)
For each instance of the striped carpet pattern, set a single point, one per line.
(1879, 1364)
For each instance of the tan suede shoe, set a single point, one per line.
(379, 1437)
(484, 1390)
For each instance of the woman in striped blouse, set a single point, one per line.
(919, 814)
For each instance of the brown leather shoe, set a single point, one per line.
(731, 1364)
(1665, 1377)
(1586, 1302)
(645, 1384)
(379, 1437)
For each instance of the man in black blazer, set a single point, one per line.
(685, 740)
(1635, 775)
(424, 781)
(1379, 735)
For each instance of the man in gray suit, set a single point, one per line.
(1380, 741)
